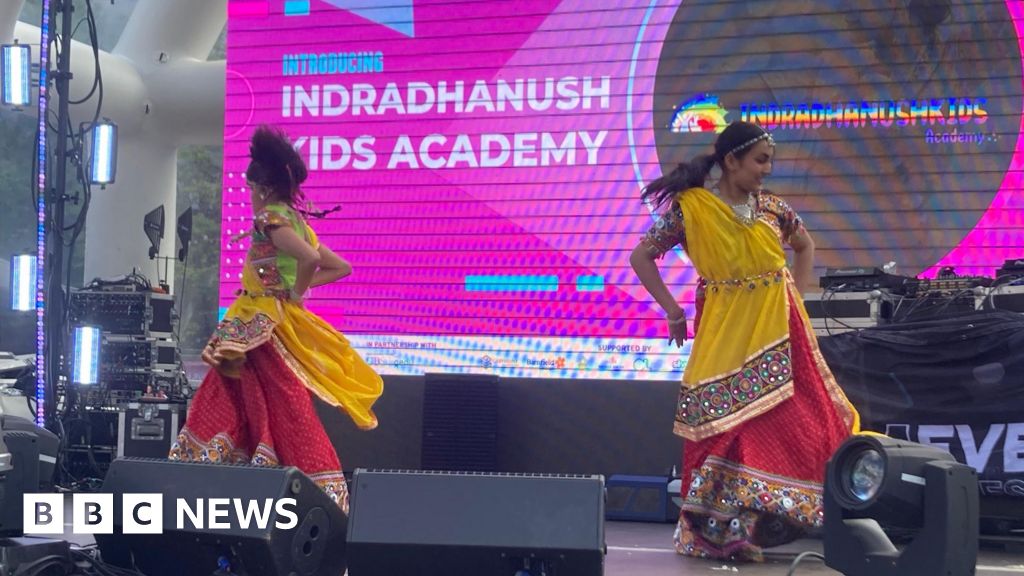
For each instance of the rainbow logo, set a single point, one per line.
(701, 113)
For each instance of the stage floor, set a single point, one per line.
(644, 549)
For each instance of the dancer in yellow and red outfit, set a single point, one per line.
(270, 356)
(759, 409)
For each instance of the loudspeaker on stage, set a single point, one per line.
(406, 523)
(315, 545)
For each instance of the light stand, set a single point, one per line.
(50, 332)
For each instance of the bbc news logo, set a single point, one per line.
(144, 513)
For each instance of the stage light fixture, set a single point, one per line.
(85, 359)
(103, 153)
(875, 481)
(184, 233)
(153, 226)
(23, 282)
(16, 62)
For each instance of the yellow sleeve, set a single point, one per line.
(311, 235)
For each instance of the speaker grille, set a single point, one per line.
(460, 423)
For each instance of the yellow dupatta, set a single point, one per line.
(320, 356)
(740, 364)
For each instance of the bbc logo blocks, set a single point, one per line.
(144, 513)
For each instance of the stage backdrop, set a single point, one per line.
(487, 157)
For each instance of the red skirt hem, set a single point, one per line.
(265, 417)
(760, 484)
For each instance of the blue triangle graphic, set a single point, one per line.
(395, 14)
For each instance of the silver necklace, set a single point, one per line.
(744, 211)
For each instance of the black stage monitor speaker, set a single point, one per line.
(406, 523)
(314, 546)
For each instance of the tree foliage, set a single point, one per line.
(199, 186)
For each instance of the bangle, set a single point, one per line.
(294, 296)
(677, 321)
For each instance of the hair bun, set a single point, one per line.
(270, 147)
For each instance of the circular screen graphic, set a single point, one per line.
(896, 121)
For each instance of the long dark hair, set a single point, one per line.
(737, 138)
(277, 165)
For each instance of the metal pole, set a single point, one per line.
(56, 333)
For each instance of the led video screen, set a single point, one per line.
(487, 157)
